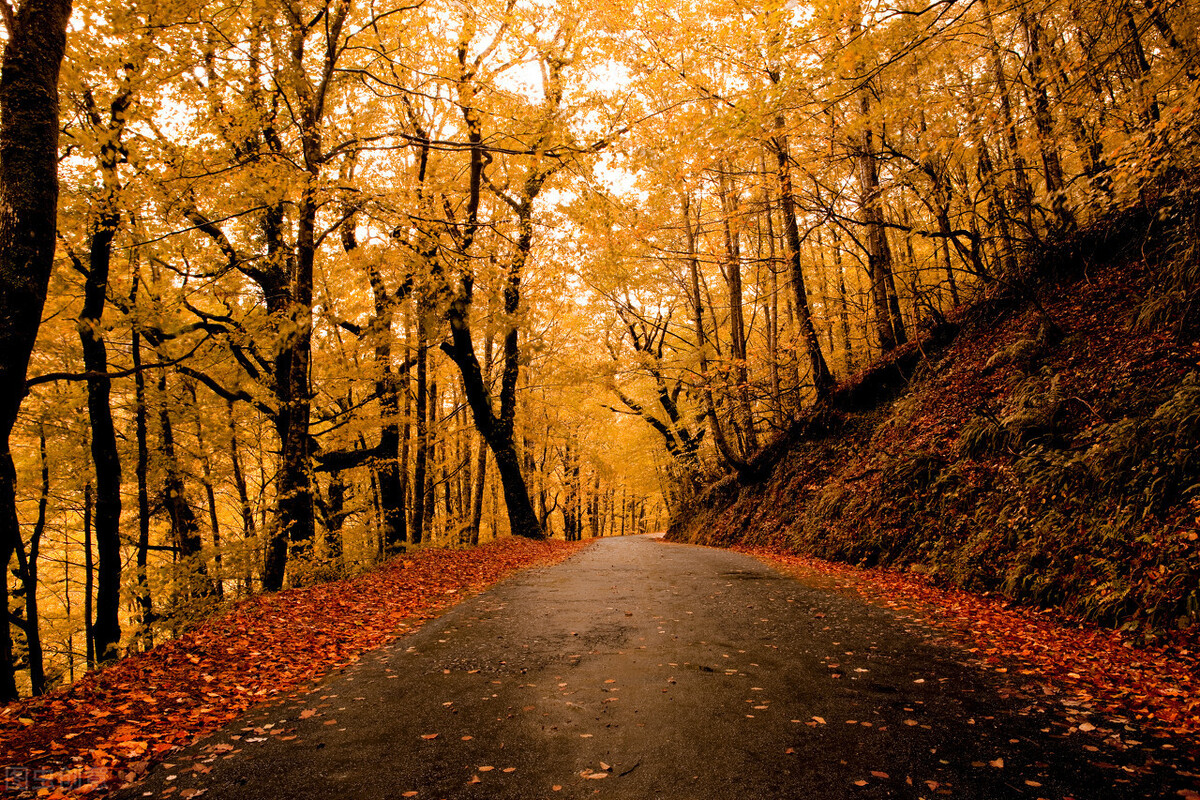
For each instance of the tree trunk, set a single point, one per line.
(239, 480)
(1044, 122)
(431, 463)
(731, 226)
(27, 566)
(206, 480)
(388, 464)
(697, 302)
(89, 580)
(822, 378)
(1023, 191)
(497, 428)
(422, 413)
(145, 602)
(771, 307)
(888, 324)
(29, 128)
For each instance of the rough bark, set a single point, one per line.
(822, 378)
(28, 208)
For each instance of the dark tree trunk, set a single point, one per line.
(888, 323)
(1043, 120)
(730, 209)
(89, 581)
(497, 428)
(105, 459)
(185, 529)
(28, 571)
(28, 211)
(431, 460)
(206, 480)
(388, 464)
(421, 459)
(823, 382)
(141, 470)
(239, 480)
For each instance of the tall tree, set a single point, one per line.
(29, 125)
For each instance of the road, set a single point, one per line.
(640, 669)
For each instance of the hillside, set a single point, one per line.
(1043, 446)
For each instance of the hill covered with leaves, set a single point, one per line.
(1041, 445)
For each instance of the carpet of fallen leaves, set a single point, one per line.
(1086, 668)
(109, 727)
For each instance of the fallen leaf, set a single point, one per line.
(429, 735)
(998, 763)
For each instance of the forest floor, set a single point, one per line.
(1058, 471)
(1103, 677)
(111, 726)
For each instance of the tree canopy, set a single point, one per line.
(332, 279)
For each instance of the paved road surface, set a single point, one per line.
(640, 669)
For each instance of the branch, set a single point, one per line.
(228, 394)
(92, 375)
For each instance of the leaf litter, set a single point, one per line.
(108, 728)
(1087, 668)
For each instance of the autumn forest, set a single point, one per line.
(291, 287)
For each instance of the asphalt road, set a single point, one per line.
(640, 669)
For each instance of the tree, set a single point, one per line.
(29, 128)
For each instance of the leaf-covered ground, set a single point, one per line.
(1099, 675)
(1060, 471)
(109, 727)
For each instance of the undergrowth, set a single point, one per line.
(1057, 470)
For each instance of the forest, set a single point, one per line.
(291, 287)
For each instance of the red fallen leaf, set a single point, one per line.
(429, 735)
(485, 769)
(1102, 670)
(860, 783)
(252, 653)
(307, 713)
(410, 794)
(877, 774)
(475, 779)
